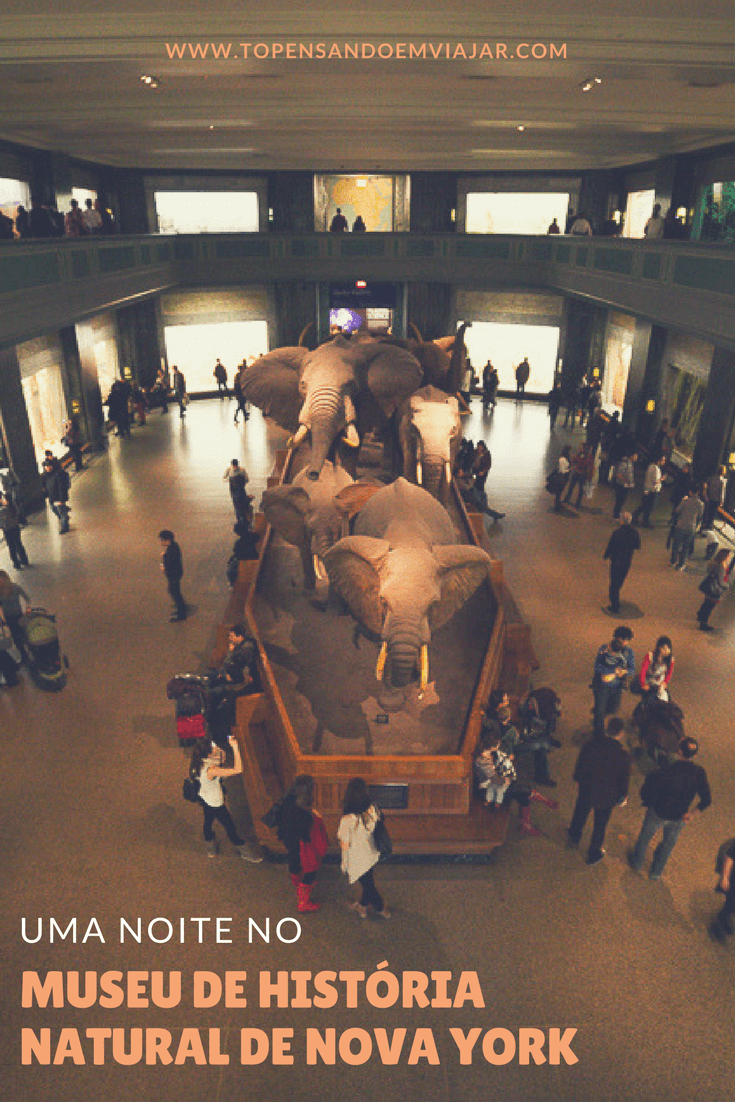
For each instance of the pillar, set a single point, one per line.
(718, 413)
(16, 428)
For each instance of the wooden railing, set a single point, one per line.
(440, 787)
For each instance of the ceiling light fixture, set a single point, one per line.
(151, 82)
(588, 84)
(520, 129)
(211, 128)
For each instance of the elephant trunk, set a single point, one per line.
(433, 467)
(326, 419)
(321, 542)
(403, 653)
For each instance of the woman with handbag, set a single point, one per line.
(208, 767)
(360, 853)
(713, 586)
(302, 831)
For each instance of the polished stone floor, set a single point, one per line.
(93, 824)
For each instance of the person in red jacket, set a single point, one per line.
(657, 668)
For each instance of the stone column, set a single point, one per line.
(717, 414)
(16, 428)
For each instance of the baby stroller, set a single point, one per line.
(190, 692)
(660, 727)
(47, 664)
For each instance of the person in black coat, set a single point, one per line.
(603, 775)
(56, 483)
(621, 546)
(173, 567)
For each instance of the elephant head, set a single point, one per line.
(402, 574)
(306, 514)
(443, 360)
(429, 432)
(341, 388)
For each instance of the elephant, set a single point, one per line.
(443, 360)
(401, 574)
(306, 514)
(341, 389)
(429, 430)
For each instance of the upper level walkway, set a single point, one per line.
(48, 284)
(94, 823)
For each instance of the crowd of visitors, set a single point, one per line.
(43, 220)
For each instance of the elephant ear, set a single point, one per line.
(353, 565)
(285, 507)
(462, 569)
(392, 376)
(352, 499)
(272, 384)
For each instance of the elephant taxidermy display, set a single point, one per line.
(429, 431)
(307, 515)
(339, 391)
(443, 360)
(403, 573)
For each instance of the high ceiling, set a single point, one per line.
(70, 80)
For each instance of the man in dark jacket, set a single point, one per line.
(621, 546)
(603, 774)
(56, 483)
(10, 526)
(173, 567)
(667, 795)
(237, 676)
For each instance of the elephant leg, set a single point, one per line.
(307, 565)
(348, 459)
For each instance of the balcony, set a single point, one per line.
(46, 284)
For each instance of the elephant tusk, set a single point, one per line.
(351, 436)
(304, 331)
(319, 568)
(448, 472)
(299, 435)
(419, 473)
(424, 670)
(382, 657)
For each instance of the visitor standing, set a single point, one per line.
(614, 664)
(603, 775)
(621, 546)
(56, 483)
(179, 388)
(688, 517)
(237, 391)
(220, 374)
(302, 832)
(713, 587)
(667, 796)
(360, 855)
(624, 482)
(12, 599)
(339, 223)
(237, 477)
(10, 526)
(208, 767)
(523, 372)
(172, 565)
(652, 484)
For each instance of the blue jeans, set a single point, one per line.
(607, 702)
(682, 545)
(651, 825)
(61, 510)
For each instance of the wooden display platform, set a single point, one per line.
(442, 817)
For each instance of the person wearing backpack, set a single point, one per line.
(360, 854)
(301, 830)
(208, 768)
(56, 483)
